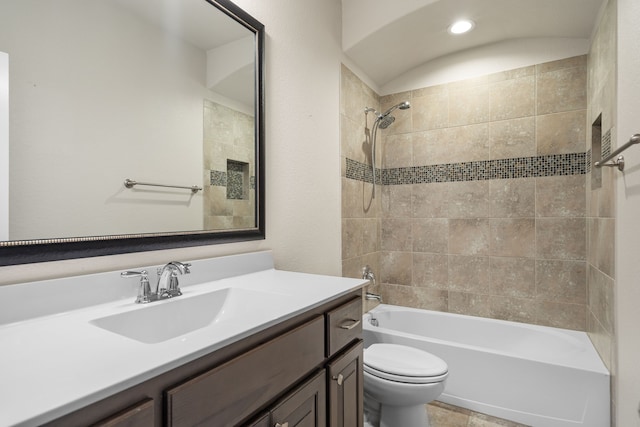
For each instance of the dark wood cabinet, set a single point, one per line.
(263, 421)
(344, 325)
(139, 415)
(282, 376)
(225, 395)
(345, 394)
(305, 406)
(343, 398)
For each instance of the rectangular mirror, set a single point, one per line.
(133, 125)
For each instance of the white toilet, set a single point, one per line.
(398, 382)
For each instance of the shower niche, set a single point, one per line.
(229, 199)
(237, 180)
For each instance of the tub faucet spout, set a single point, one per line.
(372, 296)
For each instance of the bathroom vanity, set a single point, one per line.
(293, 353)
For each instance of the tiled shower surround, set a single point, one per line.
(480, 205)
(600, 213)
(229, 183)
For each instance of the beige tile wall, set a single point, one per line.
(511, 248)
(600, 201)
(360, 210)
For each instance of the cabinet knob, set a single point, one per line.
(282, 425)
(339, 378)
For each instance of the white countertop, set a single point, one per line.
(54, 364)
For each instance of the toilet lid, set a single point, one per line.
(402, 363)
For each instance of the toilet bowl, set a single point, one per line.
(398, 382)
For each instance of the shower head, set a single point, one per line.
(405, 105)
(385, 121)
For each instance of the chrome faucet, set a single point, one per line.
(167, 286)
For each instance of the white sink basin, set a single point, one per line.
(163, 320)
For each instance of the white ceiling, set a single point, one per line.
(195, 21)
(386, 39)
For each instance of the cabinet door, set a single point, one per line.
(232, 392)
(305, 406)
(346, 388)
(140, 415)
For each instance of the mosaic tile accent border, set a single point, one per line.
(361, 171)
(520, 167)
(219, 179)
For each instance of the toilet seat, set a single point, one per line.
(404, 364)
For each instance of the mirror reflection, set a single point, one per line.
(101, 91)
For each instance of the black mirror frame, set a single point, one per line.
(32, 251)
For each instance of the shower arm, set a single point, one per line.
(389, 111)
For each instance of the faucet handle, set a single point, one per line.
(144, 292)
(186, 267)
(367, 274)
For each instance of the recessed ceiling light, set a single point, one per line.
(462, 26)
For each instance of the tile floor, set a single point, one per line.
(443, 415)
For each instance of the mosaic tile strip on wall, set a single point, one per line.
(521, 167)
(219, 179)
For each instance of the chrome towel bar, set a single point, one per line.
(130, 183)
(619, 161)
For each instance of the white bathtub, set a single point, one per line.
(534, 375)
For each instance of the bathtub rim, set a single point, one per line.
(593, 362)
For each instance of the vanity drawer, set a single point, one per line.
(227, 394)
(139, 415)
(344, 324)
